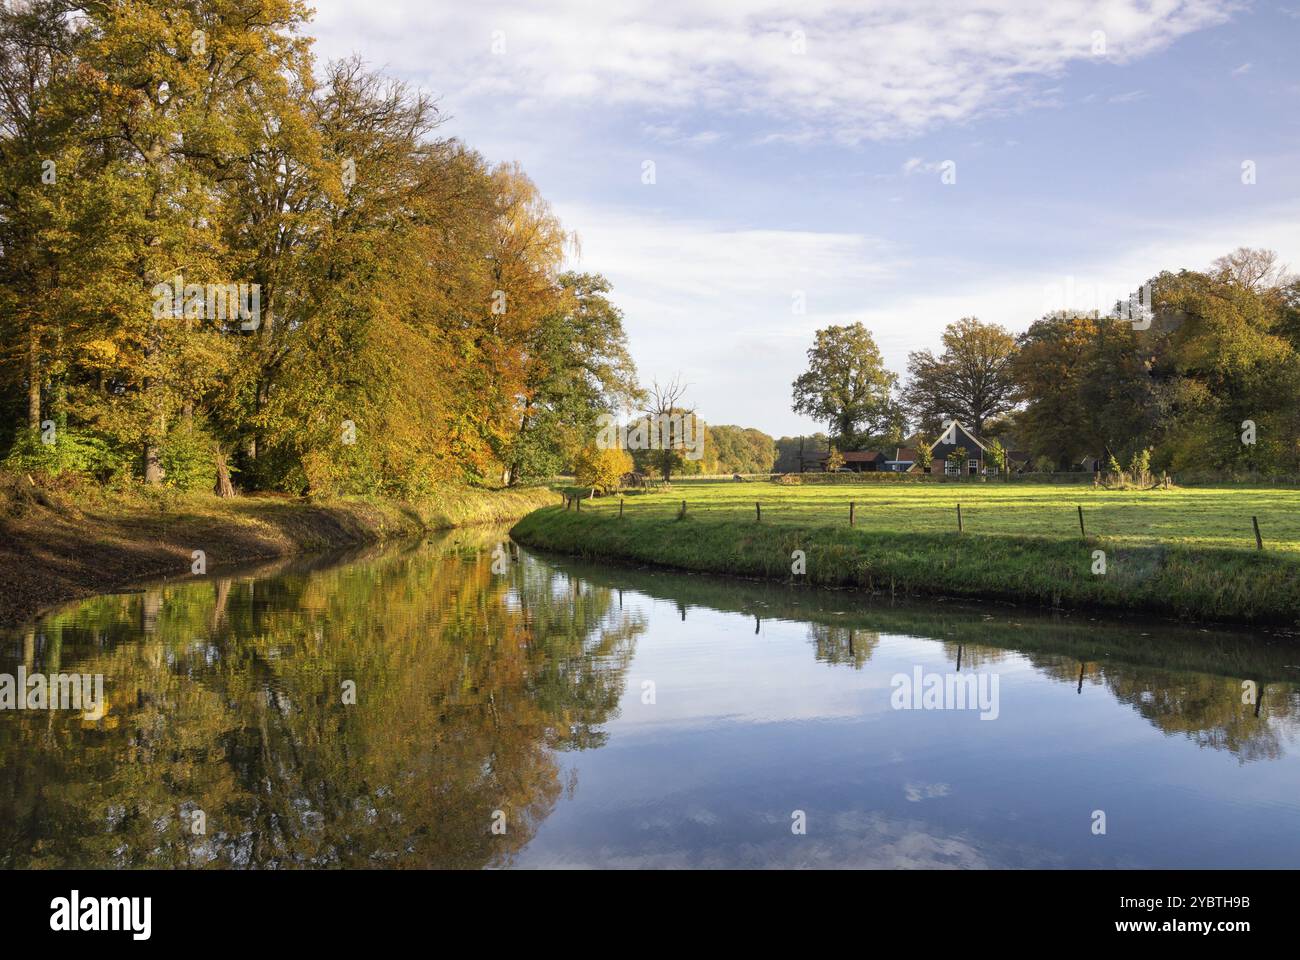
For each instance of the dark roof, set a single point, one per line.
(853, 456)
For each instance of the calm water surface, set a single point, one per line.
(624, 718)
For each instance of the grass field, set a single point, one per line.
(1201, 516)
(1188, 553)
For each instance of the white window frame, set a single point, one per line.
(951, 468)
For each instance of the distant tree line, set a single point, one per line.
(1204, 378)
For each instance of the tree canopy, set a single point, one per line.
(216, 253)
(847, 386)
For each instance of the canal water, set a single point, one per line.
(465, 703)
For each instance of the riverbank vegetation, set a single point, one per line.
(1182, 552)
(62, 541)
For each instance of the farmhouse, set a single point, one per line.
(956, 437)
(903, 459)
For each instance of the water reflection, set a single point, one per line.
(1225, 689)
(226, 697)
(488, 686)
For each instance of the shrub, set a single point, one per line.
(1139, 467)
(70, 453)
(188, 458)
(924, 455)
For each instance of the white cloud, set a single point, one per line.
(891, 68)
(670, 133)
(918, 165)
(692, 259)
(718, 305)
(1244, 68)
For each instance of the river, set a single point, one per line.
(464, 703)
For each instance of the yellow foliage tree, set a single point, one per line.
(601, 469)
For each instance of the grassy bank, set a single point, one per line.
(1189, 516)
(62, 542)
(1187, 580)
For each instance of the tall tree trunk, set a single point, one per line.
(34, 381)
(153, 471)
(223, 488)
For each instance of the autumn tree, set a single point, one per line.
(578, 367)
(742, 449)
(1230, 376)
(997, 456)
(1086, 387)
(1251, 269)
(970, 381)
(601, 469)
(924, 453)
(411, 324)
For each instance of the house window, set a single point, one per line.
(952, 468)
(973, 466)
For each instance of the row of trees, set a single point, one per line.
(404, 323)
(1206, 377)
(722, 450)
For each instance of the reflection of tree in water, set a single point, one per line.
(843, 645)
(225, 697)
(1206, 709)
(974, 656)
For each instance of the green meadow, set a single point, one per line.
(1201, 516)
(1185, 553)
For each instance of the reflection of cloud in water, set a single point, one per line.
(848, 839)
(916, 792)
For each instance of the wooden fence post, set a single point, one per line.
(1083, 533)
(959, 527)
(620, 508)
(1259, 541)
(758, 512)
(682, 515)
(851, 507)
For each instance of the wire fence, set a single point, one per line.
(901, 517)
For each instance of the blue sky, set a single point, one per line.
(797, 153)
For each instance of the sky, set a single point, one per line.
(745, 174)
